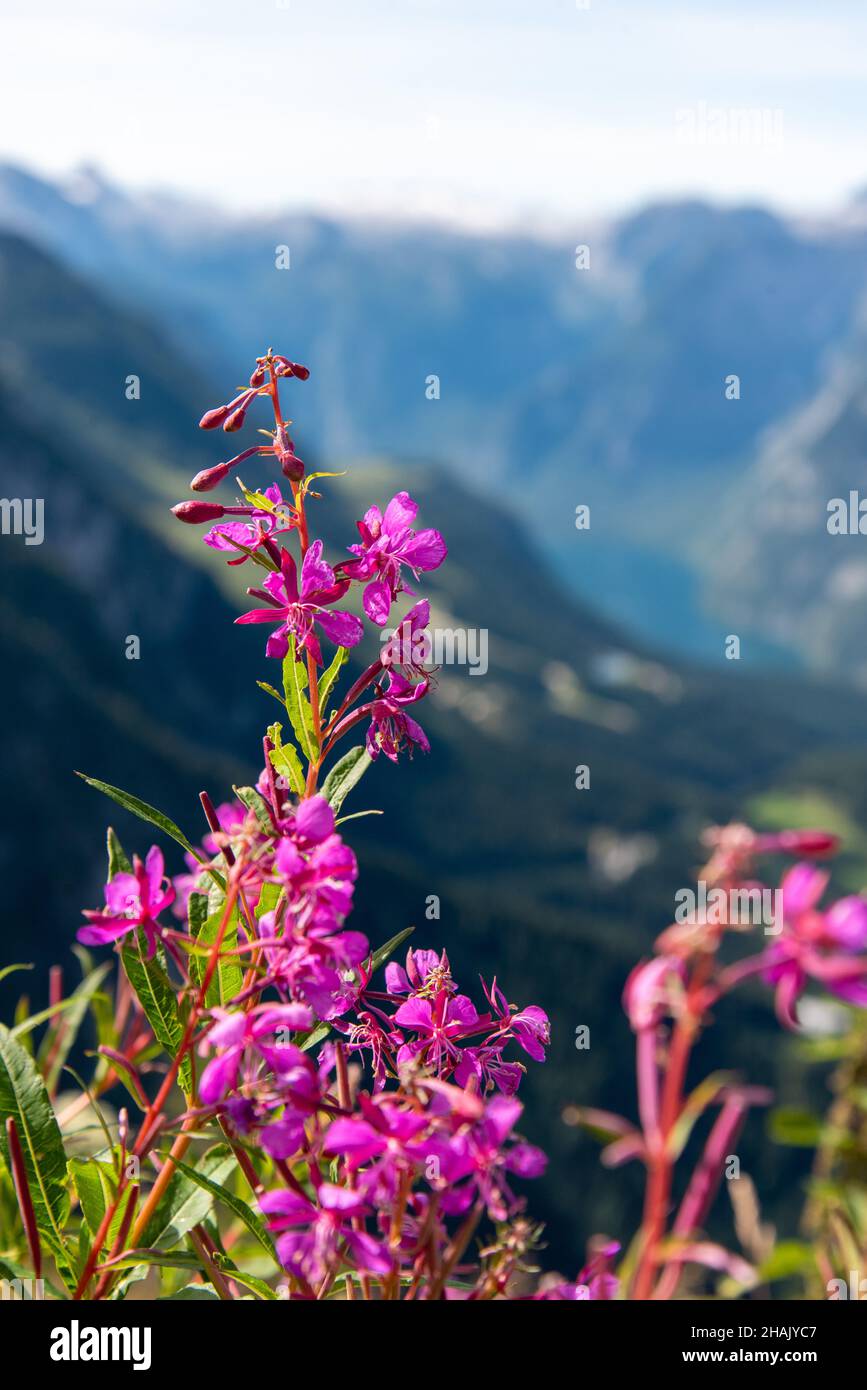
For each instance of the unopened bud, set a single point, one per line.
(213, 418)
(209, 478)
(292, 467)
(196, 512)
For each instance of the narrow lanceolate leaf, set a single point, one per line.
(236, 1204)
(314, 1037)
(228, 978)
(327, 679)
(344, 775)
(156, 995)
(142, 810)
(169, 1259)
(187, 1202)
(285, 760)
(23, 1095)
(247, 1281)
(382, 955)
(79, 1001)
(297, 703)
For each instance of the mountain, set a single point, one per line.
(787, 575)
(555, 386)
(556, 890)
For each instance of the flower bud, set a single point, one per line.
(292, 467)
(209, 478)
(807, 841)
(258, 377)
(212, 418)
(196, 512)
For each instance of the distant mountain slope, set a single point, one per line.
(556, 386)
(554, 889)
(783, 573)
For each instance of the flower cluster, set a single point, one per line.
(668, 1000)
(377, 1118)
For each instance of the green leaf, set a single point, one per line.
(118, 863)
(23, 1095)
(695, 1105)
(797, 1128)
(327, 679)
(297, 704)
(285, 760)
(191, 1293)
(344, 775)
(169, 1259)
(269, 690)
(9, 969)
(235, 1204)
(185, 1203)
(227, 980)
(156, 995)
(96, 1184)
(142, 810)
(314, 1037)
(247, 1281)
(382, 955)
(790, 1257)
(79, 1002)
(151, 815)
(255, 802)
(125, 1074)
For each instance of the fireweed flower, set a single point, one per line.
(409, 647)
(314, 1238)
(234, 1034)
(439, 1023)
(391, 728)
(262, 526)
(595, 1283)
(131, 901)
(316, 868)
(426, 972)
(266, 1085)
(297, 611)
(387, 544)
(823, 945)
(479, 1160)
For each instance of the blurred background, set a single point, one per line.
(538, 258)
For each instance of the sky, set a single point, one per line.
(488, 112)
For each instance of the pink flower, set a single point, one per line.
(132, 901)
(388, 543)
(296, 612)
(391, 728)
(314, 1240)
(263, 525)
